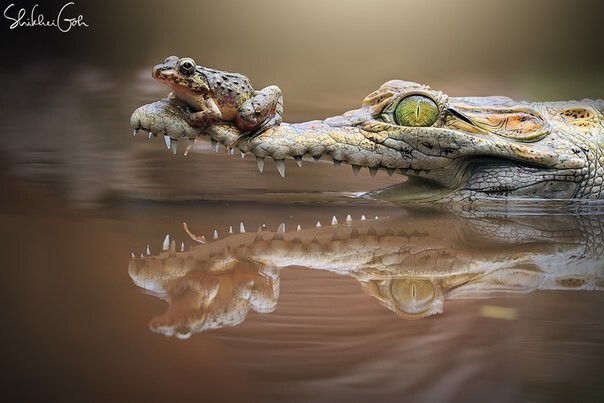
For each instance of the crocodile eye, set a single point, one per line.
(416, 111)
(186, 65)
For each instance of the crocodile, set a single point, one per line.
(410, 264)
(450, 148)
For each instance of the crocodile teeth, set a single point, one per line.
(280, 167)
(356, 169)
(373, 171)
(363, 217)
(281, 228)
(242, 154)
(135, 132)
(148, 251)
(182, 246)
(336, 162)
(214, 145)
(348, 218)
(133, 255)
(230, 229)
(150, 135)
(174, 146)
(260, 162)
(166, 244)
(215, 234)
(168, 141)
(299, 228)
(232, 151)
(187, 150)
(318, 224)
(241, 228)
(298, 160)
(334, 220)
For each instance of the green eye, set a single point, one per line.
(416, 111)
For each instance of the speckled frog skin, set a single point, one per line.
(216, 96)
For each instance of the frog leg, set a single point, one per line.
(208, 115)
(261, 112)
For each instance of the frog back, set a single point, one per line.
(228, 88)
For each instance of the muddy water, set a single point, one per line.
(418, 305)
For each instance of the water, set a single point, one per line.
(418, 305)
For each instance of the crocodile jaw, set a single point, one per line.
(449, 161)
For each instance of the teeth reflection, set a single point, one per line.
(337, 162)
(356, 169)
(373, 171)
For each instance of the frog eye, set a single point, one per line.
(186, 65)
(416, 111)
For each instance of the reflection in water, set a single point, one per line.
(411, 264)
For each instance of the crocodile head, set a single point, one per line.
(451, 148)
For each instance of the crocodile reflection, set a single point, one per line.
(411, 264)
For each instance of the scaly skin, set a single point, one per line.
(410, 264)
(476, 148)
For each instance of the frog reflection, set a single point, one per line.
(202, 295)
(410, 264)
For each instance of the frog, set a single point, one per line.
(216, 96)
